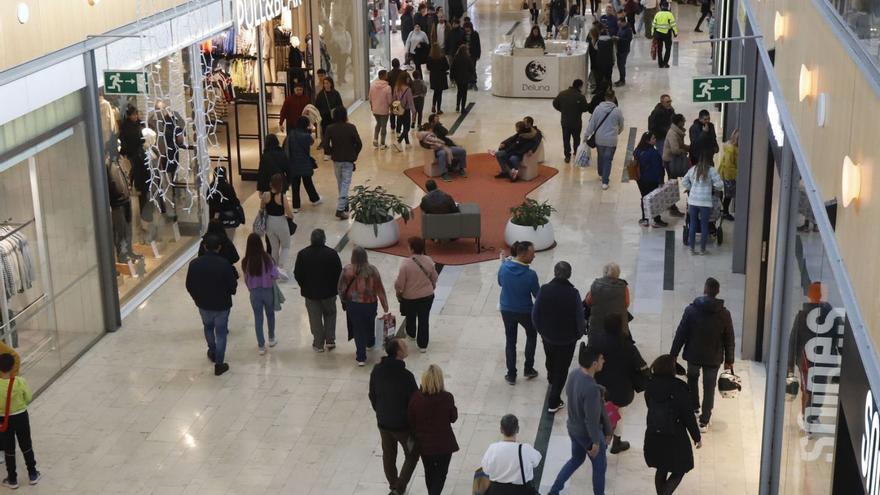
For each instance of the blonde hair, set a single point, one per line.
(432, 380)
(611, 270)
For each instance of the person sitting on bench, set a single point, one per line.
(437, 202)
(447, 153)
(511, 151)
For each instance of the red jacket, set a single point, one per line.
(430, 420)
(292, 109)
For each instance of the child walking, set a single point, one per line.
(19, 425)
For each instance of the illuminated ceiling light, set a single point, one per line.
(805, 83)
(22, 12)
(778, 26)
(851, 185)
(92, 3)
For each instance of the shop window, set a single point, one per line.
(862, 18)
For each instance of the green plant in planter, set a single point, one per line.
(373, 206)
(531, 213)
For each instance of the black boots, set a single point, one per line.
(618, 445)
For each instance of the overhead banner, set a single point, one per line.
(535, 77)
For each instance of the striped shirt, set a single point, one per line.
(700, 190)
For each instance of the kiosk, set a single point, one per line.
(535, 72)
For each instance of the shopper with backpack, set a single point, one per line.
(669, 421)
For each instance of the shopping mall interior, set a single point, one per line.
(95, 249)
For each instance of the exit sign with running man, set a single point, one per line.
(120, 82)
(720, 89)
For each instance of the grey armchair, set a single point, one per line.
(465, 223)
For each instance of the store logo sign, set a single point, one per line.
(250, 13)
(870, 452)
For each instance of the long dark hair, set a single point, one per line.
(701, 169)
(271, 143)
(256, 260)
(644, 142)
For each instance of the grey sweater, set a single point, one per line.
(586, 407)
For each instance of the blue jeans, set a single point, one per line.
(362, 318)
(263, 300)
(606, 155)
(507, 160)
(343, 170)
(701, 212)
(511, 320)
(458, 153)
(580, 445)
(216, 325)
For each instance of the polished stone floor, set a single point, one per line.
(142, 413)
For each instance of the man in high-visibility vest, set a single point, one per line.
(664, 28)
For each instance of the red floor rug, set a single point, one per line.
(495, 197)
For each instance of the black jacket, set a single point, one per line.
(624, 366)
(391, 386)
(706, 333)
(317, 271)
(438, 202)
(273, 161)
(659, 121)
(327, 102)
(519, 145)
(462, 70)
(473, 42)
(439, 73)
(672, 453)
(454, 39)
(703, 143)
(227, 251)
(298, 146)
(571, 104)
(558, 313)
(342, 142)
(211, 281)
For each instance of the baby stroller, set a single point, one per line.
(715, 221)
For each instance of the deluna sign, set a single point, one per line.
(250, 13)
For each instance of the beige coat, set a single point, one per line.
(674, 144)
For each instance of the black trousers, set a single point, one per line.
(571, 138)
(418, 312)
(710, 379)
(20, 428)
(621, 64)
(557, 360)
(664, 48)
(666, 482)
(403, 124)
(420, 107)
(461, 97)
(310, 189)
(436, 468)
(437, 100)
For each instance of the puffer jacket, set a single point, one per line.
(608, 296)
(706, 333)
(674, 144)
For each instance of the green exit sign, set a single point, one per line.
(121, 82)
(719, 89)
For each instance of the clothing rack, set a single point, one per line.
(18, 227)
(5, 321)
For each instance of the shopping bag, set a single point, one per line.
(654, 44)
(582, 156)
(386, 328)
(660, 199)
(481, 482)
(259, 226)
(279, 296)
(613, 413)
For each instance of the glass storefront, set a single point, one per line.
(342, 46)
(382, 20)
(50, 294)
(862, 17)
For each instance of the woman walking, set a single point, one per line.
(260, 273)
(670, 420)
(360, 289)
(272, 161)
(301, 166)
(463, 73)
(438, 67)
(278, 213)
(415, 285)
(402, 94)
(608, 295)
(728, 169)
(327, 101)
(431, 413)
(650, 173)
(419, 92)
(605, 125)
(700, 183)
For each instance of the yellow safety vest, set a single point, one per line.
(664, 21)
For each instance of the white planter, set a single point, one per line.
(542, 237)
(363, 235)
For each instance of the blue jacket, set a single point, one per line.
(299, 144)
(519, 284)
(650, 165)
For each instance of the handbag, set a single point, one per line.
(654, 44)
(527, 485)
(343, 301)
(259, 226)
(291, 225)
(633, 169)
(279, 296)
(481, 482)
(591, 140)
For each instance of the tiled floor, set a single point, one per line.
(142, 412)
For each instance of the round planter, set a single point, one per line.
(363, 234)
(542, 237)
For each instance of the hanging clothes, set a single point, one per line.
(16, 262)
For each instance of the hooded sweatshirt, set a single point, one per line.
(607, 131)
(519, 284)
(706, 333)
(380, 97)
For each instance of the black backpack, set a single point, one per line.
(663, 418)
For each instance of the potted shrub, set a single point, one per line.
(530, 221)
(373, 211)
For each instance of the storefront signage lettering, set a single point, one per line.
(870, 448)
(250, 13)
(536, 77)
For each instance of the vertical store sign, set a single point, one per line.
(250, 13)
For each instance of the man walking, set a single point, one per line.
(558, 316)
(380, 105)
(317, 271)
(343, 143)
(648, 15)
(588, 425)
(391, 386)
(211, 281)
(571, 105)
(706, 333)
(664, 28)
(519, 284)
